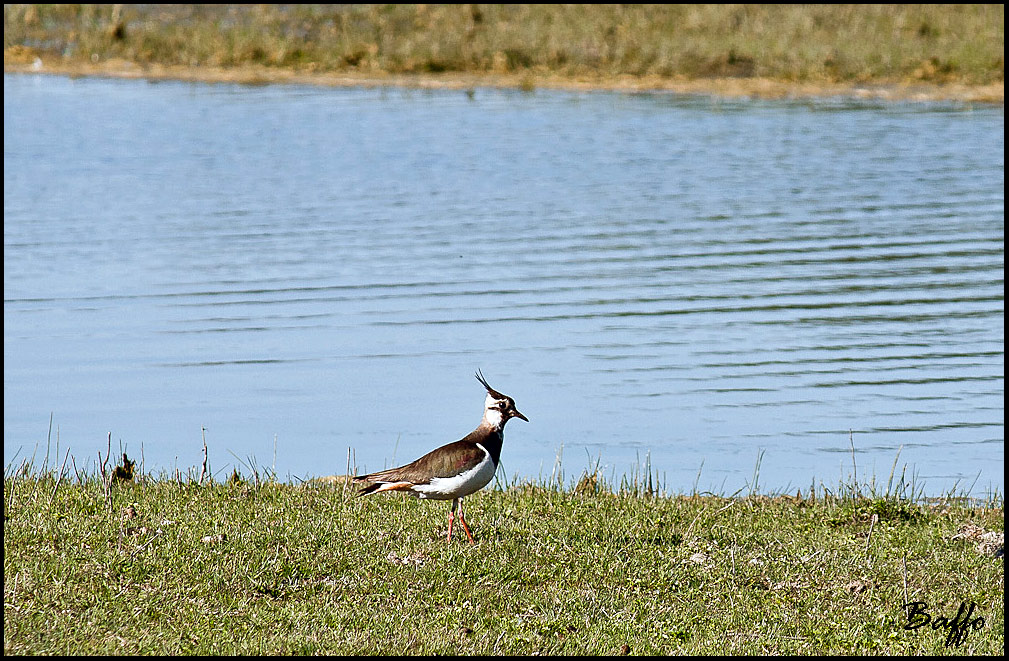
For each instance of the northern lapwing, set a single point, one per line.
(458, 469)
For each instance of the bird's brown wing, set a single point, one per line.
(447, 461)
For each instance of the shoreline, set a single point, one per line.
(729, 88)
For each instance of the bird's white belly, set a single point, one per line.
(463, 484)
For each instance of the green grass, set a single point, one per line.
(168, 566)
(807, 43)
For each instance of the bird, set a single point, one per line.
(457, 469)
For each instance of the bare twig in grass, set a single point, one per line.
(11, 462)
(557, 474)
(698, 478)
(9, 502)
(868, 537)
(104, 462)
(854, 469)
(31, 462)
(106, 477)
(49, 437)
(732, 556)
(731, 503)
(973, 484)
(650, 488)
(497, 642)
(889, 482)
(346, 483)
(77, 473)
(14, 594)
(58, 478)
(137, 550)
(213, 476)
(203, 471)
(756, 473)
(904, 563)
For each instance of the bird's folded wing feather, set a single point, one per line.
(447, 461)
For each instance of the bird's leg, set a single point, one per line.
(462, 520)
(451, 515)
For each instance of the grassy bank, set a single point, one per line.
(898, 50)
(170, 566)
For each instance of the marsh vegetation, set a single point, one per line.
(529, 45)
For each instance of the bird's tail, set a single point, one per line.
(381, 482)
(370, 488)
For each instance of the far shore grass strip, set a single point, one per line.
(743, 49)
(109, 560)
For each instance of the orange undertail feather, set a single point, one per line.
(379, 487)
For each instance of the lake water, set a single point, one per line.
(691, 282)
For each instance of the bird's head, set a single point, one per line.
(498, 408)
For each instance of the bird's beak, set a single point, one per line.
(516, 414)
